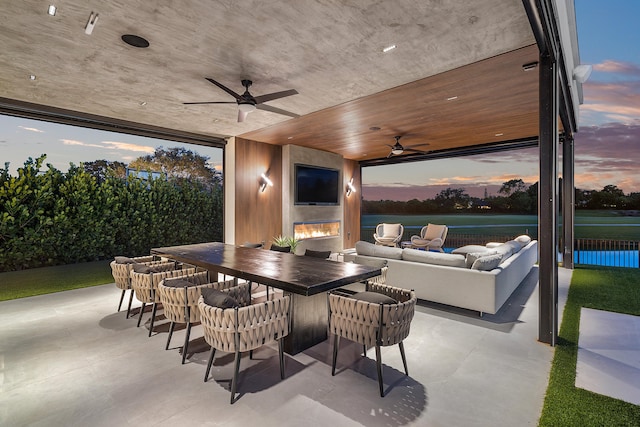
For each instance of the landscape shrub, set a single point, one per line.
(51, 218)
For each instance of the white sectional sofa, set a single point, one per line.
(479, 278)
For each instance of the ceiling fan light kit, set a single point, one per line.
(397, 149)
(247, 102)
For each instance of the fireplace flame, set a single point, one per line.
(314, 230)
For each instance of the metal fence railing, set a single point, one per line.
(613, 253)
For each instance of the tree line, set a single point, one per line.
(514, 197)
(94, 211)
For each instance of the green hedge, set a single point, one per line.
(51, 218)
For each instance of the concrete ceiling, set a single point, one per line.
(329, 51)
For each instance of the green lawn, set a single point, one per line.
(45, 280)
(611, 289)
(588, 224)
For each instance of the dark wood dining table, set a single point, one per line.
(305, 279)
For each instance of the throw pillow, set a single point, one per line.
(177, 283)
(141, 268)
(473, 256)
(124, 260)
(146, 269)
(317, 254)
(524, 239)
(390, 230)
(434, 231)
(463, 250)
(216, 298)
(487, 263)
(280, 248)
(374, 297)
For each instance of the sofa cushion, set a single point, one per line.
(471, 257)
(366, 248)
(436, 258)
(375, 263)
(523, 239)
(124, 260)
(463, 250)
(487, 262)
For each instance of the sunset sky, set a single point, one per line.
(607, 145)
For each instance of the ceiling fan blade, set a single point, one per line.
(414, 150)
(276, 95)
(224, 88)
(275, 110)
(390, 154)
(416, 145)
(242, 115)
(211, 102)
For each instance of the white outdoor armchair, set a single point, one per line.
(432, 236)
(388, 234)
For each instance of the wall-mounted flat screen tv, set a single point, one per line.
(316, 185)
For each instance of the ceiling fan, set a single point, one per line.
(398, 149)
(248, 103)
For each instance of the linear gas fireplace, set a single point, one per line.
(316, 229)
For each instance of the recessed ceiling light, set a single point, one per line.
(374, 128)
(388, 48)
(143, 103)
(135, 41)
(499, 134)
(452, 98)
(530, 66)
(290, 137)
(32, 77)
(52, 10)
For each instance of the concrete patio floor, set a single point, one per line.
(70, 359)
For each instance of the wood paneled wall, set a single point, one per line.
(258, 215)
(352, 204)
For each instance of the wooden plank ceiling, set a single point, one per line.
(488, 101)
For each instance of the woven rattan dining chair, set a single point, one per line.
(179, 298)
(380, 317)
(145, 284)
(121, 271)
(244, 327)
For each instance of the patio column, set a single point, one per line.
(568, 201)
(548, 200)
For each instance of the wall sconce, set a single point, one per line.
(264, 181)
(350, 187)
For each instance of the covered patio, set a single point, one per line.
(69, 359)
(464, 78)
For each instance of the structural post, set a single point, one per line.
(568, 201)
(548, 200)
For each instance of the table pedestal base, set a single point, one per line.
(309, 322)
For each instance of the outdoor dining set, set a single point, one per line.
(216, 286)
